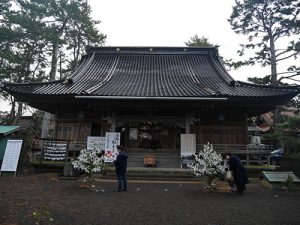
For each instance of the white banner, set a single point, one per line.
(187, 147)
(97, 143)
(112, 140)
(11, 155)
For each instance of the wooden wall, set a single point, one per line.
(75, 132)
(214, 132)
(228, 133)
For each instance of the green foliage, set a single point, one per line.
(266, 80)
(32, 33)
(266, 23)
(42, 216)
(265, 184)
(288, 133)
(288, 184)
(262, 81)
(195, 41)
(295, 102)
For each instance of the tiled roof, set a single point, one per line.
(151, 72)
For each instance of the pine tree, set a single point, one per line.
(267, 23)
(195, 41)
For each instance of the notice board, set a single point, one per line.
(55, 150)
(11, 155)
(96, 143)
(112, 140)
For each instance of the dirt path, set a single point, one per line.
(145, 203)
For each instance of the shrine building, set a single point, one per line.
(152, 95)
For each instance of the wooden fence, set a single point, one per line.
(257, 154)
(249, 154)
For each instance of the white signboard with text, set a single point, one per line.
(112, 140)
(94, 142)
(11, 155)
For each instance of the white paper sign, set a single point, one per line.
(112, 140)
(11, 155)
(188, 147)
(133, 133)
(94, 142)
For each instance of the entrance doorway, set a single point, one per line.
(151, 135)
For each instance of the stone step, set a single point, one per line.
(160, 162)
(165, 158)
(157, 151)
(135, 159)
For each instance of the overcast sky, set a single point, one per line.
(171, 23)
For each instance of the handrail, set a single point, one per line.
(238, 148)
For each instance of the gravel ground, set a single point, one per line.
(145, 203)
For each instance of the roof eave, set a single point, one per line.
(79, 97)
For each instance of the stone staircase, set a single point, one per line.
(165, 158)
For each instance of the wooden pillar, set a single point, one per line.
(113, 122)
(222, 132)
(175, 135)
(187, 125)
(55, 123)
(246, 129)
(221, 121)
(102, 132)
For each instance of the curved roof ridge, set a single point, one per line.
(81, 70)
(223, 69)
(197, 81)
(82, 64)
(220, 71)
(106, 79)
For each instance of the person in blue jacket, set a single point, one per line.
(238, 171)
(121, 167)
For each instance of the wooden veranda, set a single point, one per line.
(249, 154)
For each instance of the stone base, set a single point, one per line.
(69, 170)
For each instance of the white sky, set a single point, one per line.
(171, 23)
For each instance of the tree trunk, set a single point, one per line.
(273, 61)
(47, 116)
(54, 61)
(276, 112)
(13, 108)
(46, 124)
(55, 48)
(76, 53)
(19, 113)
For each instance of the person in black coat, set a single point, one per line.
(121, 166)
(238, 171)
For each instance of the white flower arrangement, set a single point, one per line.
(208, 163)
(90, 161)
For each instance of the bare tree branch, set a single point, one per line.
(281, 53)
(294, 54)
(290, 77)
